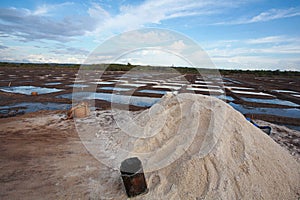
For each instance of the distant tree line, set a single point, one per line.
(128, 67)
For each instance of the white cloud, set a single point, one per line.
(155, 57)
(257, 62)
(275, 14)
(46, 9)
(270, 39)
(269, 52)
(156, 11)
(265, 16)
(178, 46)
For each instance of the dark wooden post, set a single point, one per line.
(133, 177)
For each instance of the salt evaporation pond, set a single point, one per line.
(166, 87)
(284, 112)
(271, 101)
(114, 98)
(33, 107)
(205, 86)
(153, 91)
(251, 93)
(203, 82)
(78, 85)
(286, 91)
(133, 85)
(239, 88)
(28, 89)
(103, 83)
(147, 82)
(53, 83)
(231, 80)
(224, 97)
(296, 95)
(205, 90)
(119, 89)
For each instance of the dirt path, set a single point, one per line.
(43, 158)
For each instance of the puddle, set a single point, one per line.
(33, 107)
(296, 95)
(26, 81)
(153, 91)
(206, 90)
(286, 91)
(119, 89)
(167, 87)
(53, 83)
(133, 85)
(271, 101)
(208, 86)
(120, 81)
(203, 82)
(175, 84)
(224, 97)
(57, 78)
(7, 80)
(138, 75)
(240, 88)
(28, 89)
(103, 82)
(114, 98)
(284, 112)
(147, 82)
(78, 81)
(231, 80)
(78, 85)
(251, 93)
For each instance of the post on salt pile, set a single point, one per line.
(133, 177)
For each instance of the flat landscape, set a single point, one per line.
(274, 98)
(39, 145)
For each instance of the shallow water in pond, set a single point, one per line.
(250, 93)
(231, 80)
(114, 98)
(103, 82)
(133, 84)
(147, 82)
(167, 87)
(33, 107)
(271, 101)
(153, 91)
(284, 112)
(224, 97)
(28, 89)
(205, 90)
(115, 88)
(286, 91)
(239, 88)
(296, 95)
(53, 83)
(78, 85)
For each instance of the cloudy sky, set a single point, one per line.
(236, 34)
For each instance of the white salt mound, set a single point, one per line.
(235, 160)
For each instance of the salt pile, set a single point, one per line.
(194, 147)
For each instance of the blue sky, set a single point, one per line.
(239, 34)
